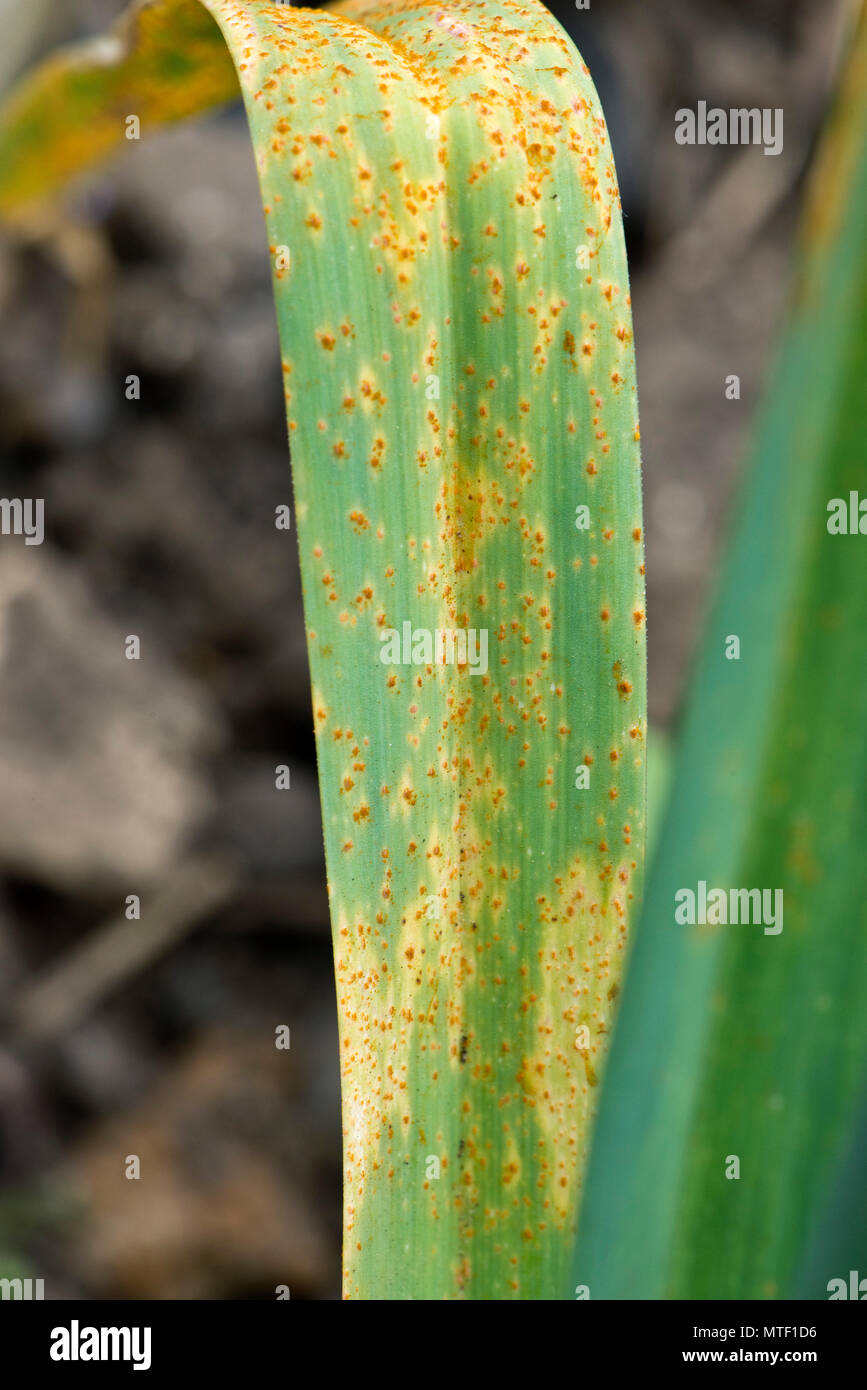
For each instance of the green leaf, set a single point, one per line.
(658, 785)
(453, 304)
(838, 1245)
(733, 1042)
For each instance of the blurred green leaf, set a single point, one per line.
(659, 769)
(838, 1246)
(731, 1042)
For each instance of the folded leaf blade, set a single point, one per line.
(453, 305)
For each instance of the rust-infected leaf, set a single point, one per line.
(453, 303)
